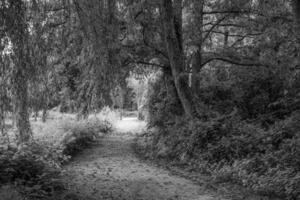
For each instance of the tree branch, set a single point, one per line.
(213, 12)
(212, 28)
(150, 64)
(234, 62)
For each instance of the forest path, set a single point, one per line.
(111, 171)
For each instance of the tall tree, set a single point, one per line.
(297, 25)
(172, 14)
(198, 6)
(16, 26)
(297, 14)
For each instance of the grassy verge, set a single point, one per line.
(33, 170)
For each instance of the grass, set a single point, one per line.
(54, 143)
(59, 124)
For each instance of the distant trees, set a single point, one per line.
(78, 52)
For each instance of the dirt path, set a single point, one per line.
(110, 170)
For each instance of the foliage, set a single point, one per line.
(226, 94)
(227, 142)
(265, 161)
(9, 192)
(33, 168)
(79, 135)
(162, 104)
(106, 116)
(69, 136)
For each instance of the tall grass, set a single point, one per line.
(34, 169)
(60, 124)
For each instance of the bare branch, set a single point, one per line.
(250, 62)
(150, 64)
(212, 28)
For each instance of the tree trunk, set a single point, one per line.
(18, 35)
(21, 103)
(173, 40)
(36, 114)
(297, 26)
(44, 116)
(197, 59)
(122, 99)
(297, 17)
(45, 98)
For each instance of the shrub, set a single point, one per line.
(257, 146)
(9, 192)
(257, 174)
(107, 115)
(218, 95)
(163, 103)
(264, 160)
(34, 169)
(79, 135)
(34, 173)
(68, 136)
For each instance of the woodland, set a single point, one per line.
(217, 81)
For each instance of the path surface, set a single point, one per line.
(111, 171)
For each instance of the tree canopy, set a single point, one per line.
(75, 54)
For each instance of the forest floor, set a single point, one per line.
(110, 170)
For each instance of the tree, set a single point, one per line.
(198, 8)
(78, 51)
(297, 14)
(297, 23)
(172, 14)
(16, 28)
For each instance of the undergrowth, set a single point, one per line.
(264, 161)
(261, 153)
(33, 170)
(79, 135)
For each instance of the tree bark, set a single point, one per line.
(18, 35)
(173, 40)
(197, 59)
(21, 102)
(122, 99)
(297, 16)
(296, 5)
(44, 115)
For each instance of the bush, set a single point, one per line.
(106, 115)
(68, 135)
(163, 103)
(266, 161)
(34, 173)
(10, 192)
(33, 170)
(257, 174)
(247, 128)
(79, 135)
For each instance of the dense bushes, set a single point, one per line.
(79, 135)
(251, 146)
(265, 161)
(33, 170)
(163, 104)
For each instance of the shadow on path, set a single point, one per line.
(110, 170)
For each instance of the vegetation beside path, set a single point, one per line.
(111, 170)
(34, 170)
